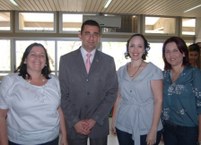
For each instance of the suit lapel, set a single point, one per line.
(96, 62)
(80, 62)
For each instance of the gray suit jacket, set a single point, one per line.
(85, 96)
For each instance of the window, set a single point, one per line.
(155, 55)
(71, 22)
(35, 22)
(5, 65)
(5, 55)
(160, 25)
(188, 26)
(5, 21)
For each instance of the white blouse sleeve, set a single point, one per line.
(4, 91)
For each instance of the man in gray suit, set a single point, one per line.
(87, 95)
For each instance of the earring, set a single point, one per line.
(147, 49)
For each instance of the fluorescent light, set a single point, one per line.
(107, 3)
(13, 2)
(192, 8)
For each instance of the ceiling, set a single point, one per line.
(147, 7)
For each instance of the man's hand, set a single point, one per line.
(90, 123)
(82, 127)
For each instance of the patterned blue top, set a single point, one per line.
(182, 98)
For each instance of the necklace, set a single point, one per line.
(133, 74)
(40, 81)
(29, 80)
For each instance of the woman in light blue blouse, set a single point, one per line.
(137, 111)
(181, 95)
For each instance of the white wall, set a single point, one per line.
(198, 29)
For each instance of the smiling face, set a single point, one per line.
(90, 37)
(172, 54)
(36, 59)
(136, 48)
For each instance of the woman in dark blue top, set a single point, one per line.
(182, 95)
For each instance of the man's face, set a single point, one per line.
(90, 37)
(193, 56)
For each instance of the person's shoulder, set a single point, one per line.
(195, 70)
(53, 77)
(53, 81)
(153, 66)
(122, 67)
(104, 55)
(72, 53)
(11, 78)
(189, 68)
(154, 71)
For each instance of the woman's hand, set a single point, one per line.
(151, 137)
(63, 141)
(113, 129)
(3, 127)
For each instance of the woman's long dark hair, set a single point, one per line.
(22, 68)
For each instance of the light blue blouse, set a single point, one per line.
(137, 104)
(32, 116)
(182, 98)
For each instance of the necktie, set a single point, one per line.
(88, 62)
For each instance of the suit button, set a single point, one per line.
(88, 93)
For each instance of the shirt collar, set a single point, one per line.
(84, 52)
